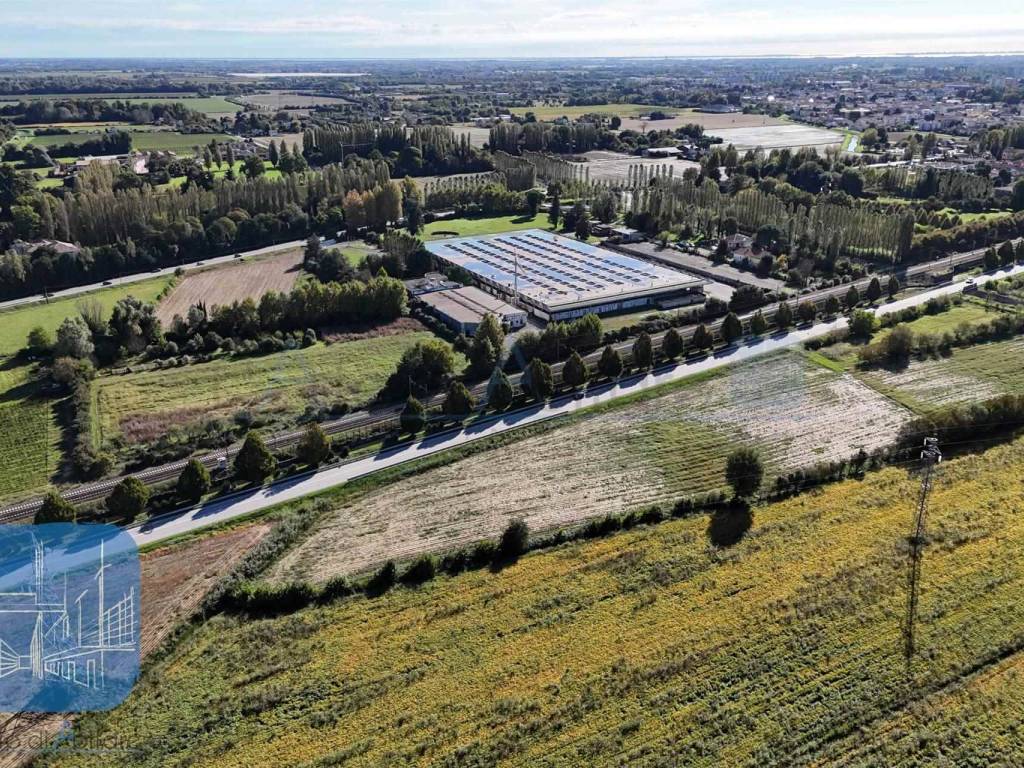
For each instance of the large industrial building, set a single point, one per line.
(559, 278)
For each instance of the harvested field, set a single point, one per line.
(232, 282)
(969, 374)
(654, 647)
(614, 166)
(175, 579)
(777, 137)
(623, 458)
(710, 120)
(277, 387)
(477, 136)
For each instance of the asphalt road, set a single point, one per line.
(290, 489)
(129, 279)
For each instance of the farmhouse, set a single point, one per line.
(463, 308)
(557, 278)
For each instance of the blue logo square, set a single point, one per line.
(69, 617)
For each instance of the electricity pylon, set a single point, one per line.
(930, 456)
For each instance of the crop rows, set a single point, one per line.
(967, 375)
(29, 446)
(654, 451)
(647, 648)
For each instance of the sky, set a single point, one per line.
(503, 28)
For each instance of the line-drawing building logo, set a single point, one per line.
(69, 617)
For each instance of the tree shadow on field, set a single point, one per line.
(728, 525)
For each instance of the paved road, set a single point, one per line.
(128, 279)
(298, 487)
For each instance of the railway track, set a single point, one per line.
(388, 415)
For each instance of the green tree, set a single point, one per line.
(643, 351)
(874, 291)
(852, 297)
(1006, 254)
(273, 155)
(862, 324)
(500, 392)
(702, 338)
(194, 482)
(744, 472)
(314, 447)
(534, 197)
(40, 342)
(55, 509)
(574, 372)
(610, 363)
(1020, 252)
(783, 316)
(555, 212)
(514, 541)
(807, 311)
(758, 325)
(459, 401)
(991, 260)
(423, 367)
(128, 499)
(582, 226)
(672, 344)
(253, 166)
(539, 381)
(485, 349)
(893, 286)
(832, 306)
(732, 328)
(1017, 200)
(254, 462)
(413, 417)
(73, 339)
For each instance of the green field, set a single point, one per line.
(277, 387)
(968, 374)
(485, 226)
(142, 140)
(654, 647)
(843, 356)
(29, 433)
(16, 323)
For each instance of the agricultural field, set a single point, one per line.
(175, 580)
(550, 112)
(711, 121)
(656, 646)
(614, 166)
(144, 405)
(844, 354)
(967, 375)
(16, 323)
(30, 435)
(142, 140)
(483, 226)
(232, 282)
(656, 450)
(770, 137)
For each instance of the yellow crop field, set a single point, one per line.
(653, 451)
(653, 647)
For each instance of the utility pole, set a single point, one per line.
(930, 456)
